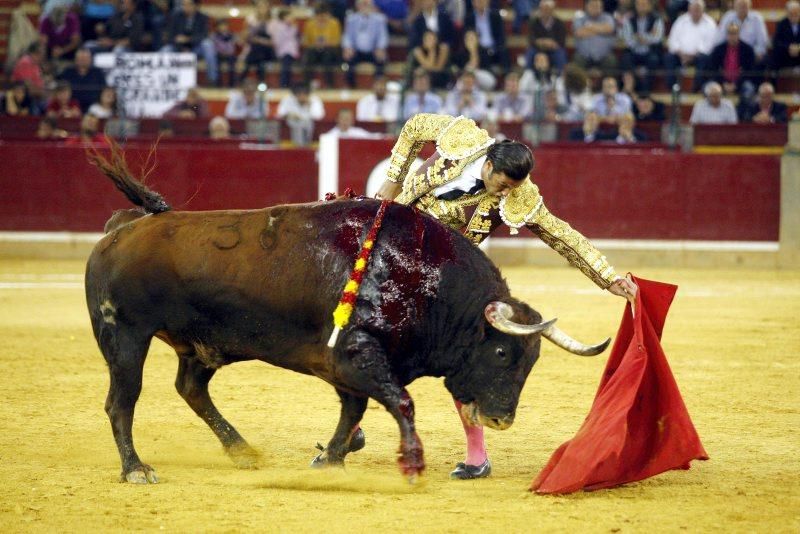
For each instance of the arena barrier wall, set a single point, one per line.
(641, 206)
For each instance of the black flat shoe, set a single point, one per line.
(468, 472)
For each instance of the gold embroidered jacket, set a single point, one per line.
(459, 142)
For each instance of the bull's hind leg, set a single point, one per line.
(125, 354)
(345, 436)
(192, 384)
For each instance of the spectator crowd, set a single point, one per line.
(601, 70)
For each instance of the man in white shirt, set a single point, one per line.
(466, 99)
(752, 29)
(379, 105)
(300, 109)
(345, 126)
(713, 109)
(246, 104)
(690, 41)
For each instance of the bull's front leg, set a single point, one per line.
(399, 403)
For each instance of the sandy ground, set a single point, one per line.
(733, 340)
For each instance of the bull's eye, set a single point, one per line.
(500, 352)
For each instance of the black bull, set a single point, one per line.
(227, 286)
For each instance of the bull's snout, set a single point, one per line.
(497, 423)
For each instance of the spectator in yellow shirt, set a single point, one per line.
(322, 41)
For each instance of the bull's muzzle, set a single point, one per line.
(472, 414)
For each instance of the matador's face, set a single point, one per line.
(497, 183)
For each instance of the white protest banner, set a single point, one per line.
(148, 84)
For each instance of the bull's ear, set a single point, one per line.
(499, 315)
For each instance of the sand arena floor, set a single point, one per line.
(733, 340)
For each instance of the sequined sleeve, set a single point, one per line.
(418, 130)
(577, 250)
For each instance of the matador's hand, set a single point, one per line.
(389, 190)
(626, 288)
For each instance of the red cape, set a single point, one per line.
(638, 425)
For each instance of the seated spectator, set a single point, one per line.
(542, 78)
(86, 80)
(379, 105)
(61, 33)
(732, 64)
(61, 105)
(469, 58)
(365, 39)
(225, 43)
(28, 69)
(713, 109)
(548, 34)
(95, 15)
(594, 38)
(627, 132)
(156, 15)
(286, 40)
(577, 95)
(611, 104)
(48, 129)
(219, 128)
(690, 42)
(764, 110)
(552, 110)
(259, 48)
(188, 32)
(17, 102)
(466, 99)
(89, 132)
(642, 32)
(125, 29)
(431, 17)
(434, 58)
(647, 109)
(345, 126)
(752, 29)
(246, 104)
(106, 107)
(300, 109)
(786, 43)
(511, 105)
(396, 12)
(192, 107)
(322, 40)
(589, 132)
(420, 99)
(488, 25)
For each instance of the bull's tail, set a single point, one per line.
(115, 167)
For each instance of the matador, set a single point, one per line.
(470, 170)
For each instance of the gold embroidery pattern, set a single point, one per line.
(415, 133)
(570, 244)
(442, 171)
(449, 212)
(520, 206)
(461, 139)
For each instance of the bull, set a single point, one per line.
(227, 286)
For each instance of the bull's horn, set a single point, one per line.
(558, 337)
(499, 316)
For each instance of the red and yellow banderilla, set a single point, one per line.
(341, 315)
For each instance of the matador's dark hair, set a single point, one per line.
(512, 158)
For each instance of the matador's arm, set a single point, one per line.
(573, 246)
(418, 130)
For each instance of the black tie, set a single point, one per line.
(458, 193)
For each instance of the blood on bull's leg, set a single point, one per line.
(192, 384)
(341, 443)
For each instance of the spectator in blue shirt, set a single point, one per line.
(611, 104)
(420, 99)
(365, 39)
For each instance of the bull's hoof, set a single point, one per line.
(143, 475)
(322, 460)
(468, 472)
(244, 456)
(358, 441)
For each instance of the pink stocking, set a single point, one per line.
(476, 446)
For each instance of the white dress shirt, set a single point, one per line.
(468, 179)
(289, 105)
(370, 109)
(686, 37)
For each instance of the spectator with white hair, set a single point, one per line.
(786, 43)
(219, 128)
(764, 109)
(691, 39)
(752, 29)
(713, 109)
